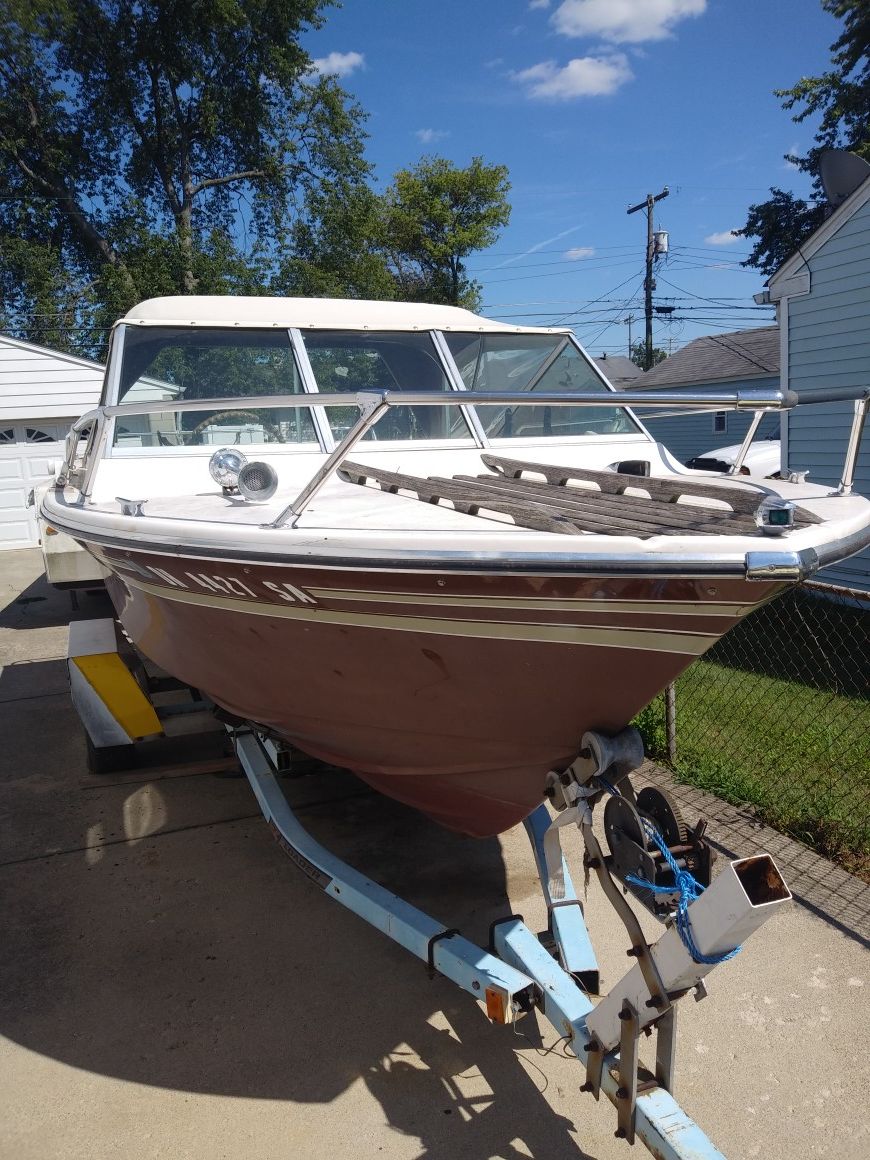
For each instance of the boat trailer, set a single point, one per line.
(653, 857)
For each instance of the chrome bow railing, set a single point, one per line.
(79, 470)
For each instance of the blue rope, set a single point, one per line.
(689, 889)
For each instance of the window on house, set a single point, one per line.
(720, 423)
(35, 435)
(7, 436)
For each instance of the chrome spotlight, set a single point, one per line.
(225, 465)
(257, 481)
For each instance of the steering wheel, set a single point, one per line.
(219, 416)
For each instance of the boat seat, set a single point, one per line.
(599, 502)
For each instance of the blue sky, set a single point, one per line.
(591, 104)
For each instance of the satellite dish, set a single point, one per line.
(841, 173)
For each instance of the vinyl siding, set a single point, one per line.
(36, 383)
(829, 346)
(688, 434)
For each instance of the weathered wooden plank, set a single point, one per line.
(554, 507)
(638, 507)
(534, 516)
(596, 517)
(668, 490)
(560, 516)
(627, 511)
(688, 515)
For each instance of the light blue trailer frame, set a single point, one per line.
(518, 972)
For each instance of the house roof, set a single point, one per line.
(620, 371)
(716, 358)
(37, 351)
(793, 266)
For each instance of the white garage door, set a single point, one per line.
(28, 451)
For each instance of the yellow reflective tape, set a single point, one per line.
(114, 684)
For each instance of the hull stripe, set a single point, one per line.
(651, 640)
(645, 606)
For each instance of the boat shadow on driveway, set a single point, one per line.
(156, 934)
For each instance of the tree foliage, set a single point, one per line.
(336, 248)
(840, 98)
(153, 147)
(638, 355)
(159, 147)
(433, 217)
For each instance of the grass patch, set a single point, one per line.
(798, 754)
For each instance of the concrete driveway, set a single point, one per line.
(171, 986)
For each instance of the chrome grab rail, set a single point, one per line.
(374, 404)
(372, 407)
(734, 469)
(69, 471)
(855, 433)
(750, 400)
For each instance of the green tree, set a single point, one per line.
(433, 217)
(159, 147)
(336, 249)
(840, 98)
(638, 355)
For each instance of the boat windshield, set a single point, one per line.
(352, 360)
(534, 362)
(183, 364)
(207, 363)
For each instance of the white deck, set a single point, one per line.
(348, 520)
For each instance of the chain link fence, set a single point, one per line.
(775, 718)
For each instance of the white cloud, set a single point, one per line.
(539, 4)
(724, 238)
(427, 136)
(585, 76)
(579, 253)
(339, 64)
(624, 21)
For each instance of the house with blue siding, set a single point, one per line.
(735, 361)
(822, 296)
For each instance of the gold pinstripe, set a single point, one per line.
(645, 606)
(647, 639)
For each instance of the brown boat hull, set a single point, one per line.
(454, 693)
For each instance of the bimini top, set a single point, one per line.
(313, 313)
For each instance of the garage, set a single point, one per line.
(42, 392)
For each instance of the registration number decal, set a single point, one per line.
(221, 585)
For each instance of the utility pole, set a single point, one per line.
(628, 322)
(650, 255)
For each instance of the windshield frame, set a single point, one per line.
(326, 441)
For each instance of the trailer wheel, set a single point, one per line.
(110, 758)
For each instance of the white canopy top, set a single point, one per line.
(318, 313)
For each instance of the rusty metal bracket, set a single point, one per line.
(626, 1095)
(594, 1067)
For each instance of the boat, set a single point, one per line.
(425, 546)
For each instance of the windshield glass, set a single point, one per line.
(534, 362)
(183, 364)
(351, 361)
